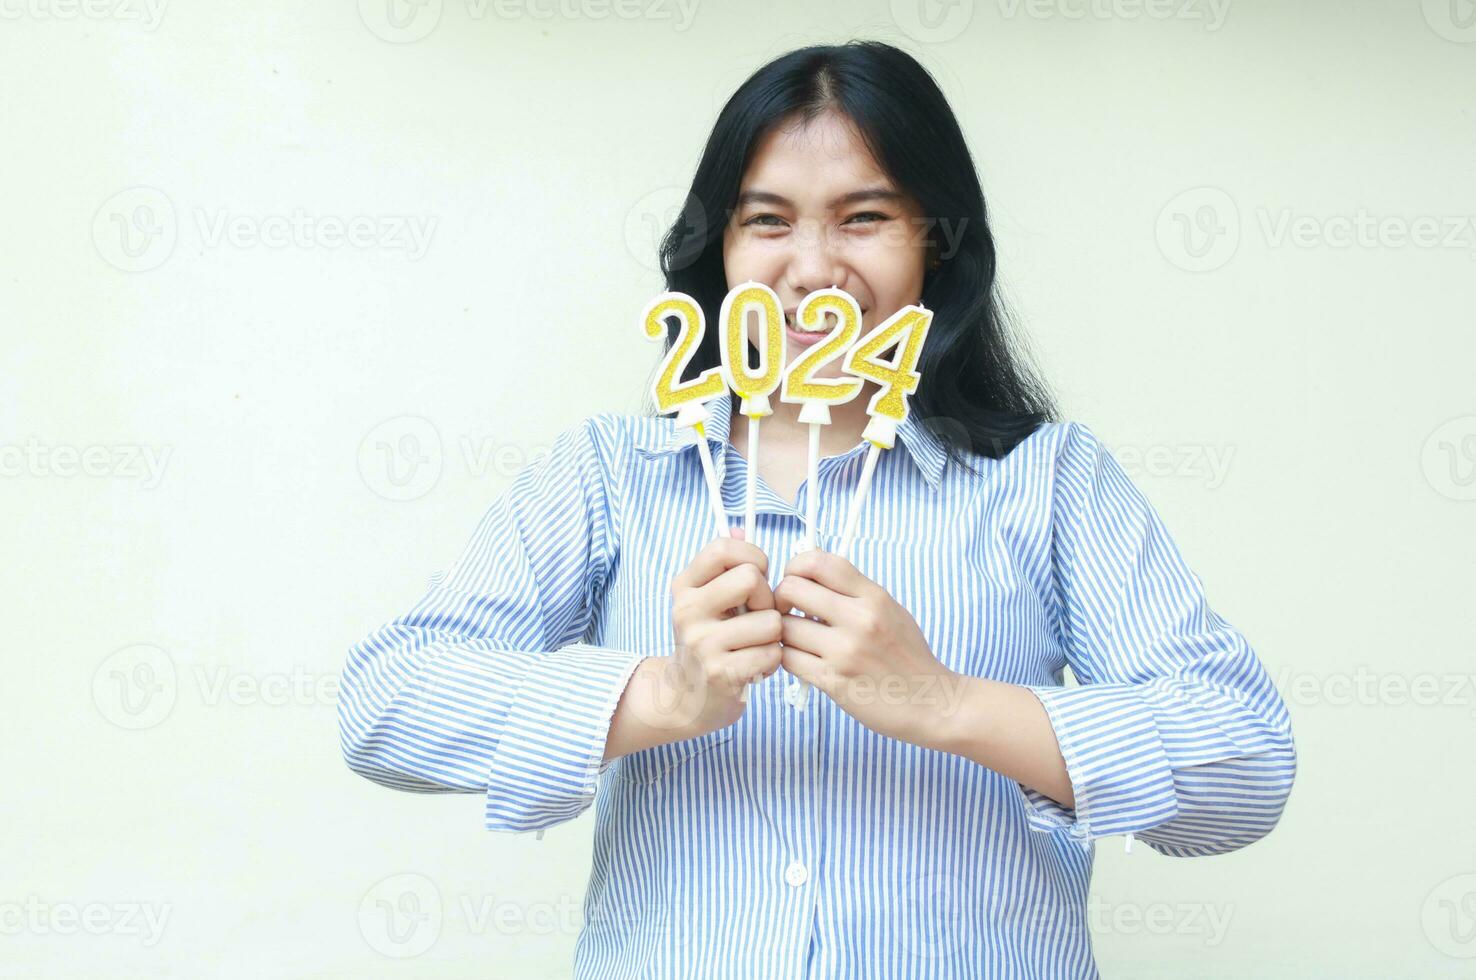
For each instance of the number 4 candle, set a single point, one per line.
(888, 408)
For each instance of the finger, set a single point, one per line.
(806, 634)
(750, 629)
(796, 592)
(831, 571)
(719, 555)
(807, 667)
(753, 663)
(741, 585)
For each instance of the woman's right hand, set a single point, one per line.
(719, 649)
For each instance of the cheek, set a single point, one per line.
(895, 279)
(743, 261)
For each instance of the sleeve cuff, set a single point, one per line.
(549, 759)
(1120, 774)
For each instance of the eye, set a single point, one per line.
(868, 217)
(766, 220)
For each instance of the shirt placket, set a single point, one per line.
(780, 533)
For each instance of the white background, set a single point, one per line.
(1174, 198)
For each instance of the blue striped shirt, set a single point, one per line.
(800, 843)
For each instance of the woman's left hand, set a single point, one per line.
(868, 656)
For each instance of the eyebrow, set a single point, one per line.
(854, 197)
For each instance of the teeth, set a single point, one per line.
(789, 321)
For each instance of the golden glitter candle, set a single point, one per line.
(753, 386)
(815, 396)
(689, 399)
(906, 330)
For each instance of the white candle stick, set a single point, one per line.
(750, 496)
(888, 408)
(752, 385)
(853, 518)
(815, 395)
(689, 398)
(714, 489)
(812, 480)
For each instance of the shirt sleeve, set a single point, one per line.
(486, 685)
(1175, 732)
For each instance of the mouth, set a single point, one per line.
(804, 338)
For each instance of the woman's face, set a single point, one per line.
(815, 210)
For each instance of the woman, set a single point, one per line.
(932, 810)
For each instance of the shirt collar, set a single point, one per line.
(926, 450)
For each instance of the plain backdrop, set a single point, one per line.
(289, 292)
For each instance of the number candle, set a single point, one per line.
(689, 398)
(754, 387)
(888, 408)
(815, 396)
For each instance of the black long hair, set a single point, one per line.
(976, 394)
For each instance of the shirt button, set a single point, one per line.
(796, 874)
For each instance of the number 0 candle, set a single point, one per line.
(753, 386)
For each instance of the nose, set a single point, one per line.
(813, 264)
